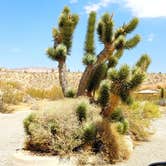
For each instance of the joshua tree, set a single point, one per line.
(118, 87)
(115, 43)
(62, 43)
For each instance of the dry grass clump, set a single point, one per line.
(52, 94)
(10, 84)
(12, 92)
(139, 116)
(12, 96)
(56, 129)
(52, 133)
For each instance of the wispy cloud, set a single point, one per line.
(150, 37)
(96, 6)
(73, 1)
(147, 8)
(140, 8)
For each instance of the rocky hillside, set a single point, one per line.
(46, 78)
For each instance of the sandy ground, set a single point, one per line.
(12, 136)
(152, 151)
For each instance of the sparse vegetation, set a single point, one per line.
(139, 116)
(52, 94)
(70, 93)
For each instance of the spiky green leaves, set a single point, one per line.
(132, 42)
(67, 24)
(81, 111)
(58, 53)
(89, 43)
(105, 28)
(118, 32)
(128, 28)
(120, 42)
(143, 62)
(112, 62)
(89, 59)
(124, 80)
(90, 132)
(123, 72)
(104, 93)
(137, 78)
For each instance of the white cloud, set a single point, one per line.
(147, 8)
(150, 37)
(73, 1)
(140, 8)
(96, 6)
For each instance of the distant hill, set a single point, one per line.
(42, 77)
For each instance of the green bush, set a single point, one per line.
(70, 93)
(90, 132)
(81, 111)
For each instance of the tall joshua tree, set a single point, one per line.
(114, 42)
(63, 43)
(118, 87)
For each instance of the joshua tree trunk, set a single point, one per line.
(110, 140)
(102, 57)
(62, 76)
(113, 102)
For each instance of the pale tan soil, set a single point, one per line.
(12, 137)
(46, 78)
(152, 151)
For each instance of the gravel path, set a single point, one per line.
(11, 135)
(11, 138)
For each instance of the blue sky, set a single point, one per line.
(25, 30)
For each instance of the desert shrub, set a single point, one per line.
(151, 110)
(11, 96)
(90, 132)
(52, 94)
(81, 111)
(9, 84)
(70, 93)
(47, 131)
(139, 116)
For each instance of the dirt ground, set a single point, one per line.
(12, 137)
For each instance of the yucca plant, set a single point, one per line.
(90, 132)
(81, 111)
(62, 43)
